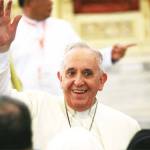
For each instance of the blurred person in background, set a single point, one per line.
(15, 125)
(140, 141)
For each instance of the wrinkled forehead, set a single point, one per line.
(81, 47)
(83, 52)
(81, 57)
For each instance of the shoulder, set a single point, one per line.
(33, 96)
(56, 21)
(21, 25)
(41, 96)
(111, 114)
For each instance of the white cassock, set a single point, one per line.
(75, 138)
(38, 49)
(112, 129)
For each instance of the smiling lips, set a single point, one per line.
(79, 91)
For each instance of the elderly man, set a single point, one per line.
(39, 46)
(81, 77)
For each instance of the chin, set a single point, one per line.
(44, 17)
(79, 107)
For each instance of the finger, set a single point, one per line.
(130, 45)
(8, 8)
(15, 21)
(1, 8)
(14, 25)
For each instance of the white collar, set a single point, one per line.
(84, 119)
(32, 21)
(84, 114)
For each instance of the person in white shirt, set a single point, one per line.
(81, 77)
(39, 46)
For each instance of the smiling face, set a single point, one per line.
(81, 78)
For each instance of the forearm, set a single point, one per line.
(5, 85)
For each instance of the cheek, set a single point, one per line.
(95, 85)
(98, 84)
(66, 84)
(89, 102)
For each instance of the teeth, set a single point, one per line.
(79, 91)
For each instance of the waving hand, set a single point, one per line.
(7, 28)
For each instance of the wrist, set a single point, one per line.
(114, 60)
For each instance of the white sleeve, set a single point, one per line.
(5, 85)
(6, 88)
(107, 54)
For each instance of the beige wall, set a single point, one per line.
(105, 29)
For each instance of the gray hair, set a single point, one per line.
(84, 46)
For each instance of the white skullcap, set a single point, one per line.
(75, 138)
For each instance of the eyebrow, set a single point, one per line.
(70, 68)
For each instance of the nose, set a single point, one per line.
(79, 81)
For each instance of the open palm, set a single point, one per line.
(7, 28)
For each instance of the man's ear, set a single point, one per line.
(59, 76)
(103, 79)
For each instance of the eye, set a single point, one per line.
(87, 73)
(70, 72)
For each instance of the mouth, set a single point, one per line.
(79, 91)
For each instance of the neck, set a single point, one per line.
(82, 109)
(83, 114)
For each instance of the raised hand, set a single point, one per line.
(119, 50)
(7, 28)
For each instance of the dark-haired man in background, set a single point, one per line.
(15, 125)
